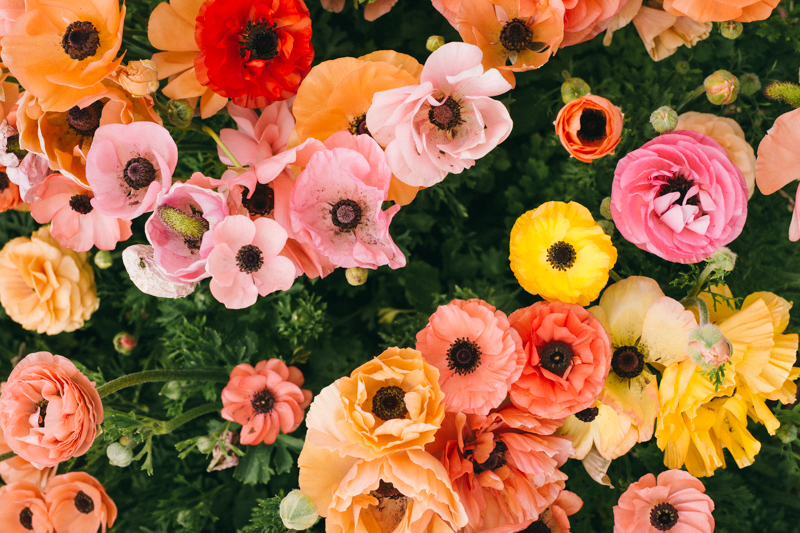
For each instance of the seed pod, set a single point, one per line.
(731, 29)
(179, 113)
(722, 87)
(356, 276)
(434, 43)
(664, 119)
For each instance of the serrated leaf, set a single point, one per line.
(255, 466)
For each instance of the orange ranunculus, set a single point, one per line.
(589, 127)
(61, 51)
(171, 28)
(721, 10)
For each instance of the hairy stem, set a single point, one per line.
(153, 376)
(191, 414)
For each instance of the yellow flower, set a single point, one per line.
(600, 427)
(559, 252)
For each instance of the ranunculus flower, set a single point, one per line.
(9, 193)
(556, 517)
(589, 127)
(265, 400)
(679, 197)
(583, 19)
(9, 11)
(372, 10)
(569, 356)
(44, 287)
(663, 33)
(78, 502)
(602, 428)
(23, 509)
(477, 352)
(140, 78)
(18, 469)
(721, 10)
(49, 411)
(446, 122)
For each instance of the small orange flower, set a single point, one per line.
(721, 10)
(9, 193)
(589, 127)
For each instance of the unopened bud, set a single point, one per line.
(730, 29)
(356, 276)
(140, 78)
(298, 511)
(682, 67)
(605, 208)
(664, 119)
(708, 348)
(722, 87)
(205, 444)
(119, 455)
(724, 259)
(787, 433)
(124, 343)
(172, 390)
(784, 91)
(434, 43)
(749, 84)
(103, 259)
(607, 227)
(574, 88)
(179, 113)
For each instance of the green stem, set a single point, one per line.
(6, 456)
(701, 306)
(614, 275)
(171, 425)
(221, 144)
(698, 286)
(153, 376)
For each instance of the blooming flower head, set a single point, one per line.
(446, 122)
(23, 509)
(49, 411)
(9, 193)
(556, 517)
(78, 502)
(676, 502)
(662, 33)
(721, 10)
(568, 357)
(18, 469)
(372, 10)
(264, 400)
(140, 78)
(44, 287)
(478, 354)
(31, 172)
(679, 197)
(259, 136)
(9, 11)
(583, 19)
(560, 253)
(612, 434)
(589, 127)
(253, 51)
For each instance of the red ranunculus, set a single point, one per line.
(253, 51)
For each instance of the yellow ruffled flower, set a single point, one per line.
(602, 428)
(559, 252)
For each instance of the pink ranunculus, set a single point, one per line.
(128, 166)
(18, 469)
(336, 202)
(181, 230)
(30, 173)
(76, 224)
(584, 19)
(446, 122)
(49, 411)
(679, 197)
(258, 136)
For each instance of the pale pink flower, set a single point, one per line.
(9, 144)
(30, 173)
(446, 122)
(258, 136)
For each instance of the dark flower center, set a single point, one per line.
(249, 259)
(80, 40)
(139, 173)
(262, 202)
(463, 357)
(556, 358)
(386, 490)
(496, 459)
(536, 527)
(588, 414)
(262, 402)
(85, 121)
(259, 41)
(4, 181)
(389, 403)
(593, 125)
(627, 362)
(13, 147)
(81, 203)
(679, 183)
(516, 35)
(446, 116)
(561, 256)
(359, 126)
(663, 516)
(346, 215)
(84, 503)
(42, 406)
(26, 518)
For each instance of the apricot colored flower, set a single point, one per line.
(560, 253)
(624, 17)
(264, 400)
(612, 434)
(583, 19)
(9, 11)
(514, 35)
(448, 9)
(589, 127)
(253, 51)
(139, 78)
(23, 509)
(477, 352)
(388, 404)
(676, 502)
(721, 10)
(60, 53)
(44, 287)
(18, 469)
(78, 502)
(9, 192)
(555, 518)
(663, 33)
(568, 358)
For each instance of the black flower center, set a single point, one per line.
(389, 403)
(139, 173)
(463, 357)
(561, 256)
(26, 518)
(85, 121)
(627, 362)
(259, 41)
(4, 181)
(262, 402)
(537, 527)
(516, 35)
(13, 147)
(81, 203)
(41, 405)
(663, 516)
(249, 259)
(346, 215)
(262, 202)
(386, 490)
(358, 126)
(587, 415)
(80, 40)
(447, 115)
(84, 503)
(679, 183)
(593, 125)
(496, 459)
(556, 358)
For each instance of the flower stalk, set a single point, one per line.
(155, 376)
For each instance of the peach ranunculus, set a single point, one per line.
(23, 508)
(584, 19)
(389, 404)
(45, 287)
(663, 33)
(18, 469)
(9, 192)
(589, 127)
(78, 502)
(10, 10)
(556, 518)
(49, 411)
(88, 34)
(721, 10)
(171, 28)
(729, 134)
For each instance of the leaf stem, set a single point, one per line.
(171, 425)
(701, 279)
(154, 376)
(222, 146)
(6, 456)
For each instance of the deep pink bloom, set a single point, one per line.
(446, 122)
(679, 197)
(76, 224)
(128, 166)
(583, 19)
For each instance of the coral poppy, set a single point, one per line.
(555, 518)
(583, 19)
(663, 33)
(78, 502)
(721, 10)
(253, 51)
(478, 354)
(23, 509)
(10, 10)
(589, 127)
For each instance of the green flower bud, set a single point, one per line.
(434, 43)
(205, 444)
(784, 91)
(682, 67)
(103, 259)
(356, 276)
(298, 511)
(730, 29)
(787, 433)
(124, 343)
(179, 113)
(722, 87)
(605, 208)
(172, 390)
(708, 348)
(724, 259)
(749, 84)
(119, 455)
(664, 119)
(608, 227)
(574, 88)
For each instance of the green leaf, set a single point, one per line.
(255, 467)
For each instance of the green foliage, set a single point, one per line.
(266, 518)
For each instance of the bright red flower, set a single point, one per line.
(254, 51)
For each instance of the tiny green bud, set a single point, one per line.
(190, 226)
(574, 88)
(708, 348)
(722, 87)
(787, 433)
(682, 67)
(731, 29)
(607, 226)
(664, 119)
(434, 43)
(179, 113)
(605, 208)
(124, 343)
(724, 259)
(205, 444)
(356, 276)
(119, 455)
(103, 259)
(172, 390)
(784, 91)
(298, 511)
(749, 84)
